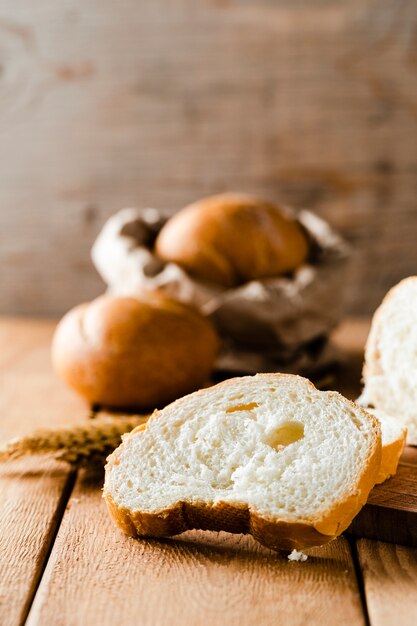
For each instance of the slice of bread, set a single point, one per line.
(268, 455)
(393, 434)
(390, 370)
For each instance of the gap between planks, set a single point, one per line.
(359, 578)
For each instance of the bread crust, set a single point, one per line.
(139, 351)
(231, 238)
(272, 531)
(390, 452)
(390, 458)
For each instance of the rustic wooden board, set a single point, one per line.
(390, 578)
(96, 575)
(33, 492)
(162, 102)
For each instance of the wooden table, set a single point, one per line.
(62, 563)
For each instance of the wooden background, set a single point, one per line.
(105, 104)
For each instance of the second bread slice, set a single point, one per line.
(393, 434)
(268, 455)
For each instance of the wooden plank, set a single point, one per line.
(205, 579)
(390, 579)
(33, 492)
(312, 104)
(33, 498)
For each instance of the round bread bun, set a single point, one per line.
(232, 238)
(134, 351)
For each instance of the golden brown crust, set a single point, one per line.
(272, 532)
(230, 239)
(391, 455)
(275, 534)
(143, 351)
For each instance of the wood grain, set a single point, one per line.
(33, 497)
(390, 578)
(33, 492)
(314, 103)
(96, 573)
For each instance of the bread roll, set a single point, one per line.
(268, 455)
(127, 351)
(233, 238)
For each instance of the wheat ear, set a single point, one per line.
(78, 445)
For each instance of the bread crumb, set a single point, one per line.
(297, 556)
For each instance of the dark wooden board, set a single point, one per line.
(391, 511)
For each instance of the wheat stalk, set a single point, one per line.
(78, 445)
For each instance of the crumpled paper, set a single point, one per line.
(275, 324)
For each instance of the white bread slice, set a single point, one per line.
(393, 434)
(390, 369)
(268, 455)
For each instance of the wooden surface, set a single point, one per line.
(386, 567)
(106, 104)
(63, 563)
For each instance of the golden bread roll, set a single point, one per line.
(233, 238)
(134, 351)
